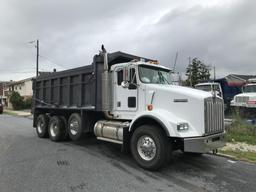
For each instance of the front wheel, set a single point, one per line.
(75, 131)
(150, 147)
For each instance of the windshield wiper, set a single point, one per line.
(163, 77)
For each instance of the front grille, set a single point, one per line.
(214, 115)
(241, 99)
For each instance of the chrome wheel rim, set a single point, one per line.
(54, 129)
(146, 148)
(74, 125)
(40, 125)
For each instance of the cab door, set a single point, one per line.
(126, 97)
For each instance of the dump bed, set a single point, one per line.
(78, 88)
(75, 88)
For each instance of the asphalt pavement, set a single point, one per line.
(28, 163)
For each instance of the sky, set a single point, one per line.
(220, 33)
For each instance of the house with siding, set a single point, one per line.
(23, 87)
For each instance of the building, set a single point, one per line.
(3, 85)
(23, 87)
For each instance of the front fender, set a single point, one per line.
(167, 120)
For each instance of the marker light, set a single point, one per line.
(150, 107)
(154, 62)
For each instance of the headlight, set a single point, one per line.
(182, 126)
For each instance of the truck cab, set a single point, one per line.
(211, 87)
(143, 92)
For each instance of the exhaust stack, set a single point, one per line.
(106, 86)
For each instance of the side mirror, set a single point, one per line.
(125, 84)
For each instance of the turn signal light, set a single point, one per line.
(150, 107)
(154, 62)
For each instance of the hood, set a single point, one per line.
(186, 104)
(180, 91)
(247, 95)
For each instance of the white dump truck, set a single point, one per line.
(128, 100)
(211, 87)
(246, 101)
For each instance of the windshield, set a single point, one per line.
(208, 87)
(154, 75)
(249, 88)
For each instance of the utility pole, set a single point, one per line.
(175, 61)
(190, 78)
(37, 56)
(214, 73)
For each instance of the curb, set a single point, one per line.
(15, 113)
(225, 155)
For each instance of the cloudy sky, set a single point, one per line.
(221, 33)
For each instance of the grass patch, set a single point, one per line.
(241, 131)
(10, 113)
(241, 137)
(241, 155)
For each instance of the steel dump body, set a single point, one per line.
(74, 88)
(78, 88)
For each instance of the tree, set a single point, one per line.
(16, 100)
(197, 72)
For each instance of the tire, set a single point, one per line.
(42, 126)
(160, 153)
(75, 131)
(56, 129)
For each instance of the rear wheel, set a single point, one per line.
(75, 131)
(57, 129)
(150, 147)
(42, 126)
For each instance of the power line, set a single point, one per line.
(14, 71)
(48, 59)
(18, 71)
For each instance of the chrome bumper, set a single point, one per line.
(204, 144)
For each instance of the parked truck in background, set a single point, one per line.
(211, 87)
(245, 102)
(128, 100)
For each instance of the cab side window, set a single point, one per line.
(120, 77)
(133, 80)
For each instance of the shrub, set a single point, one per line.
(16, 100)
